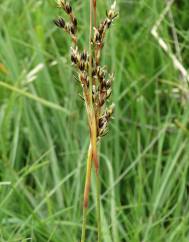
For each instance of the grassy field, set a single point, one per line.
(144, 165)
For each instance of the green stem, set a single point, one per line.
(93, 127)
(98, 206)
(86, 192)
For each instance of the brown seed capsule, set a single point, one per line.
(109, 22)
(74, 59)
(84, 79)
(68, 8)
(101, 75)
(82, 66)
(74, 21)
(72, 29)
(75, 55)
(59, 22)
(101, 28)
(84, 56)
(101, 122)
(103, 84)
(97, 36)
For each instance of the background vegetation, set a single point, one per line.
(44, 136)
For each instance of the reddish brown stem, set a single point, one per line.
(94, 10)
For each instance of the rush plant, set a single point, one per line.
(96, 85)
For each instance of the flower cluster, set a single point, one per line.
(88, 67)
(100, 32)
(101, 87)
(71, 26)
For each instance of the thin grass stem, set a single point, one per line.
(98, 207)
(86, 192)
(93, 119)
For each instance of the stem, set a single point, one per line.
(93, 126)
(98, 206)
(94, 10)
(92, 116)
(90, 55)
(94, 13)
(86, 192)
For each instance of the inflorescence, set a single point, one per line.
(89, 68)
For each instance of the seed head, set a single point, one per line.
(84, 79)
(97, 36)
(71, 26)
(101, 81)
(101, 73)
(65, 5)
(81, 66)
(84, 56)
(68, 8)
(72, 29)
(74, 21)
(59, 22)
(112, 14)
(103, 121)
(75, 57)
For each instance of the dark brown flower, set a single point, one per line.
(59, 22)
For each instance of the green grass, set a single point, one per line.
(44, 136)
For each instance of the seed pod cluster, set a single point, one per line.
(100, 31)
(86, 65)
(81, 62)
(71, 26)
(104, 79)
(104, 92)
(101, 88)
(104, 119)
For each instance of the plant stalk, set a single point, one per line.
(86, 192)
(93, 120)
(94, 11)
(98, 206)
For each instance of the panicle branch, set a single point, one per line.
(71, 26)
(100, 31)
